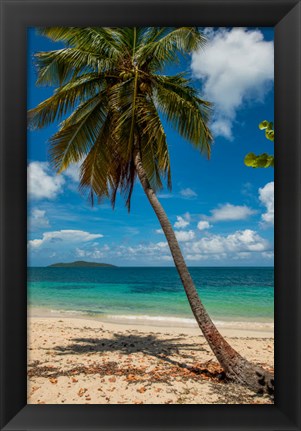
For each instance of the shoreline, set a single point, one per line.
(145, 322)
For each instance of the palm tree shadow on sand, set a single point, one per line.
(127, 344)
(149, 345)
(170, 352)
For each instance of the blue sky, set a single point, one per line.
(221, 210)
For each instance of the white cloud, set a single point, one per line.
(181, 223)
(247, 190)
(160, 231)
(268, 254)
(80, 253)
(73, 171)
(229, 212)
(202, 225)
(221, 126)
(165, 196)
(161, 244)
(94, 253)
(71, 244)
(42, 183)
(63, 237)
(234, 245)
(236, 66)
(135, 254)
(188, 193)
(184, 236)
(38, 219)
(142, 252)
(195, 257)
(167, 258)
(243, 255)
(266, 196)
(35, 243)
(187, 216)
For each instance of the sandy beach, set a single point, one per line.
(82, 361)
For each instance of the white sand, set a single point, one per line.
(81, 361)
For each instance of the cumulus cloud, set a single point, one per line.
(234, 245)
(181, 223)
(236, 66)
(42, 182)
(95, 253)
(71, 244)
(188, 193)
(266, 197)
(145, 252)
(228, 212)
(38, 219)
(203, 225)
(68, 237)
(73, 171)
(268, 254)
(160, 245)
(239, 245)
(184, 236)
(149, 252)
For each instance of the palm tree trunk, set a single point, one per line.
(235, 366)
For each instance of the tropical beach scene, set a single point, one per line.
(150, 215)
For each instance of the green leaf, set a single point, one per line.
(263, 125)
(249, 159)
(269, 134)
(270, 162)
(261, 161)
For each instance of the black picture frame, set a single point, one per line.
(16, 16)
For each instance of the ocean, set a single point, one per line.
(233, 296)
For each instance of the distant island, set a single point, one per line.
(81, 264)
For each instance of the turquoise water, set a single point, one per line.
(154, 294)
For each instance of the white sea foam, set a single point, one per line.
(67, 312)
(142, 318)
(176, 321)
(188, 322)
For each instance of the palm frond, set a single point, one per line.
(97, 163)
(100, 40)
(153, 145)
(63, 100)
(60, 66)
(152, 34)
(158, 53)
(122, 100)
(129, 37)
(77, 134)
(188, 113)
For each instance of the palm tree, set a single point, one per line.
(112, 82)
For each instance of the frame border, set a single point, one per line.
(16, 16)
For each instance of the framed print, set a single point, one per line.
(161, 311)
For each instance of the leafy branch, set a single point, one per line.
(262, 160)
